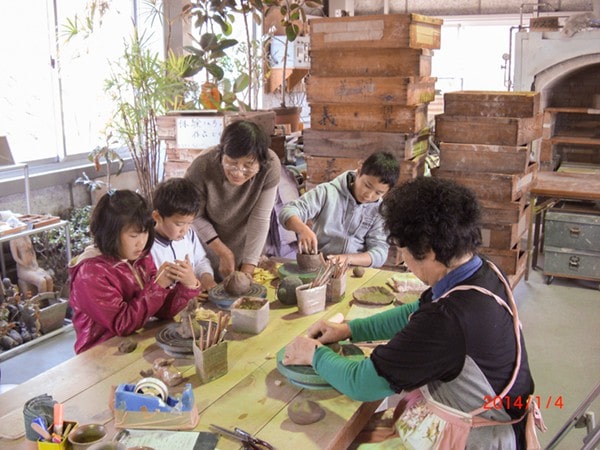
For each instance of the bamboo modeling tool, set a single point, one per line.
(214, 334)
(323, 276)
(340, 267)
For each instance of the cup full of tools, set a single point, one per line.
(210, 349)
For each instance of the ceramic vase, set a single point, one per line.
(311, 300)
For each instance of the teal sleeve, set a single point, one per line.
(356, 379)
(382, 326)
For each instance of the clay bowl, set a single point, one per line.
(309, 263)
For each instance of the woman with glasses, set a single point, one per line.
(237, 181)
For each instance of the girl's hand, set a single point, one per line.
(163, 275)
(300, 351)
(183, 272)
(208, 282)
(329, 332)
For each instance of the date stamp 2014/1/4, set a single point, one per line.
(519, 402)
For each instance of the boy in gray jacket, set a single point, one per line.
(344, 213)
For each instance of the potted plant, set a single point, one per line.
(143, 87)
(214, 22)
(293, 20)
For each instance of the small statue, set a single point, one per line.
(28, 269)
(8, 288)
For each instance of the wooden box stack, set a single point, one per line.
(486, 143)
(368, 91)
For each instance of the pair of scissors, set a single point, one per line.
(249, 441)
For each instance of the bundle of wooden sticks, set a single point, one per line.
(215, 331)
(334, 268)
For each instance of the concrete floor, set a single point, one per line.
(560, 324)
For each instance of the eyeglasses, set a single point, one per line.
(243, 170)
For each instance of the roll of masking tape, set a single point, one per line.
(152, 386)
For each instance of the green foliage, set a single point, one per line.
(212, 52)
(142, 87)
(292, 13)
(214, 22)
(51, 246)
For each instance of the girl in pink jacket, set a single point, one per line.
(114, 287)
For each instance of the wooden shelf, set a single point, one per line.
(565, 128)
(576, 140)
(574, 110)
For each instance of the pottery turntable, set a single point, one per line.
(305, 267)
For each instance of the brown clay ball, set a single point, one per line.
(305, 412)
(237, 283)
(127, 346)
(358, 272)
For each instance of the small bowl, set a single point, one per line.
(84, 436)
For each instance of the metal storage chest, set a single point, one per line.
(572, 245)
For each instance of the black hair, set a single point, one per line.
(433, 214)
(382, 165)
(245, 138)
(115, 211)
(176, 196)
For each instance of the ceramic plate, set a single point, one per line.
(373, 295)
(305, 376)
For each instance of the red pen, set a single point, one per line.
(58, 418)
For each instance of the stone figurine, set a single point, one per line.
(28, 270)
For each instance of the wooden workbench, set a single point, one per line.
(548, 189)
(253, 395)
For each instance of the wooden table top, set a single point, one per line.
(253, 395)
(576, 186)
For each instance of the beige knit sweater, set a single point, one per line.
(238, 215)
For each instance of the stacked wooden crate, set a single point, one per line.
(487, 144)
(368, 90)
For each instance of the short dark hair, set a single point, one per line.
(115, 211)
(245, 138)
(382, 165)
(433, 214)
(176, 196)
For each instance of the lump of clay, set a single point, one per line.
(286, 291)
(237, 283)
(127, 345)
(310, 262)
(305, 412)
(358, 272)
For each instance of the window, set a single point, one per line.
(471, 54)
(52, 101)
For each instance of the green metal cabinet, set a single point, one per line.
(572, 245)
